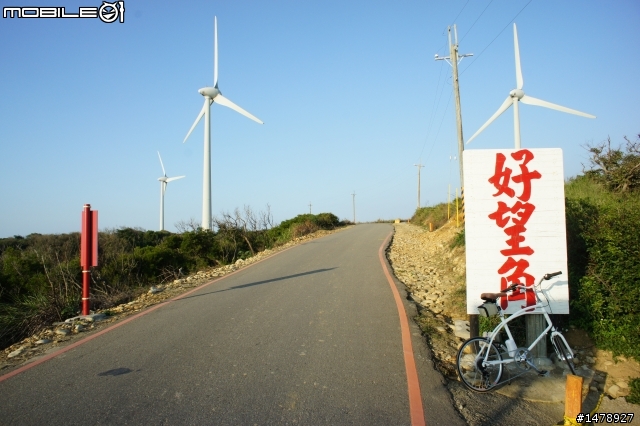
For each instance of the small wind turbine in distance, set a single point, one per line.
(517, 95)
(164, 180)
(212, 94)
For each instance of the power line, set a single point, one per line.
(505, 27)
(474, 22)
(453, 22)
(458, 15)
(436, 101)
(441, 121)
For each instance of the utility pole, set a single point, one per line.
(419, 166)
(309, 208)
(453, 59)
(354, 206)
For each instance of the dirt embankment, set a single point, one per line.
(434, 274)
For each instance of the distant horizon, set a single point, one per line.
(100, 229)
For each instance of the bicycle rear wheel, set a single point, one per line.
(565, 353)
(469, 363)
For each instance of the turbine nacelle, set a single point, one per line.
(210, 92)
(517, 93)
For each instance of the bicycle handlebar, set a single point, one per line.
(546, 277)
(549, 276)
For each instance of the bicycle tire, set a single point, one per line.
(564, 351)
(469, 365)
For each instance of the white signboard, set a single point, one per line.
(515, 226)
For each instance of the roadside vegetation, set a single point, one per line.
(40, 275)
(436, 215)
(603, 235)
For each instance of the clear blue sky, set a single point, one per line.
(349, 92)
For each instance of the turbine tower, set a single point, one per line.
(164, 180)
(517, 95)
(212, 94)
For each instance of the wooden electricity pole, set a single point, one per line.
(453, 59)
(419, 166)
(354, 206)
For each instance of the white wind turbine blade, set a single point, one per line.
(226, 102)
(174, 178)
(198, 118)
(162, 165)
(215, 52)
(533, 101)
(519, 79)
(505, 106)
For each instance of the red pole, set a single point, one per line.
(85, 256)
(88, 251)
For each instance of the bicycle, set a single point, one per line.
(480, 361)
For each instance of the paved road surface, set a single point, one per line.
(310, 336)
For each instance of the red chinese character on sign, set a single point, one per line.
(501, 177)
(518, 276)
(523, 212)
(515, 232)
(518, 214)
(526, 176)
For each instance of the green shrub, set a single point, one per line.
(327, 221)
(24, 316)
(603, 230)
(151, 261)
(302, 229)
(634, 394)
(438, 215)
(458, 240)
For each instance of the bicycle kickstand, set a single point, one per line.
(540, 372)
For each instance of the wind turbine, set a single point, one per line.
(164, 180)
(212, 94)
(517, 95)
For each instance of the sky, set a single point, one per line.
(349, 92)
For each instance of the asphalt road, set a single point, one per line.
(310, 336)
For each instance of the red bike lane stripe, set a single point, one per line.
(413, 384)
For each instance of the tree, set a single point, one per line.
(617, 168)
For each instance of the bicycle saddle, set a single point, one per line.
(492, 297)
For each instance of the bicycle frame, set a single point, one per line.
(538, 308)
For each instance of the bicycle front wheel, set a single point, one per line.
(469, 362)
(565, 353)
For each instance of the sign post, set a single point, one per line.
(88, 251)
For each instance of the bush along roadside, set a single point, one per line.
(436, 215)
(603, 230)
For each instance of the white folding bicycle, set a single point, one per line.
(480, 360)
